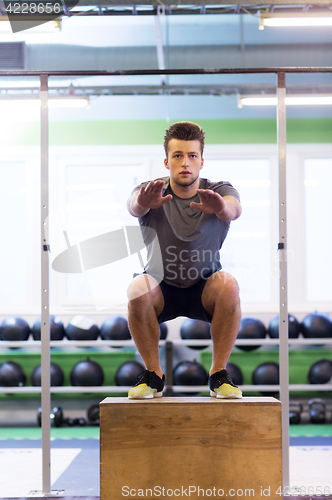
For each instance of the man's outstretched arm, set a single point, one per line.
(226, 208)
(147, 197)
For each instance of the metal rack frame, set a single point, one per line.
(282, 246)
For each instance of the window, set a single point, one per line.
(94, 204)
(318, 237)
(246, 253)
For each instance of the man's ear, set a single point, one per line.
(166, 163)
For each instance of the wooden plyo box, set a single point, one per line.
(190, 447)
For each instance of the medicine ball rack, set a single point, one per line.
(280, 73)
(170, 388)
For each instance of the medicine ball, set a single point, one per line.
(163, 331)
(57, 329)
(14, 328)
(235, 373)
(115, 328)
(189, 373)
(11, 375)
(320, 372)
(57, 377)
(82, 328)
(317, 326)
(294, 327)
(266, 374)
(87, 373)
(195, 329)
(127, 373)
(251, 328)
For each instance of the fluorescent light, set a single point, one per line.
(289, 101)
(298, 21)
(12, 105)
(47, 27)
(295, 19)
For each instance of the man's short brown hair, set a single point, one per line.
(184, 131)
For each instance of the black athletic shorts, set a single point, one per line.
(183, 302)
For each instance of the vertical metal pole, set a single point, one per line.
(45, 313)
(169, 368)
(283, 306)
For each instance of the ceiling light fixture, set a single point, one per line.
(12, 104)
(295, 19)
(295, 100)
(46, 27)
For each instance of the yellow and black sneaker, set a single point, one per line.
(149, 386)
(222, 386)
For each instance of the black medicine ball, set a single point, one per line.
(317, 326)
(195, 329)
(294, 327)
(11, 375)
(115, 328)
(14, 328)
(56, 328)
(57, 377)
(251, 328)
(87, 373)
(320, 372)
(266, 374)
(82, 328)
(127, 373)
(189, 373)
(235, 373)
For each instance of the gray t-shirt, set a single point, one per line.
(189, 240)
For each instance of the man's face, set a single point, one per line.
(184, 161)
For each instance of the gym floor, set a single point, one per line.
(75, 462)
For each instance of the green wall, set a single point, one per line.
(125, 132)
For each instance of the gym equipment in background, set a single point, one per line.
(195, 329)
(163, 331)
(57, 329)
(266, 374)
(57, 376)
(82, 328)
(320, 372)
(11, 374)
(128, 372)
(295, 410)
(235, 373)
(317, 411)
(294, 327)
(14, 328)
(189, 373)
(251, 328)
(56, 417)
(316, 326)
(115, 328)
(87, 373)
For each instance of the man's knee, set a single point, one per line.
(223, 286)
(145, 288)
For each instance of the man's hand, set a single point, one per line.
(149, 196)
(226, 208)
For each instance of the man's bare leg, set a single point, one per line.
(146, 303)
(220, 298)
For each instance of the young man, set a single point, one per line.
(191, 217)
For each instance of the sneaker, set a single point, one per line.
(222, 386)
(149, 386)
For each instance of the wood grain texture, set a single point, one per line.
(178, 443)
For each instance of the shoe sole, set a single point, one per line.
(229, 396)
(150, 396)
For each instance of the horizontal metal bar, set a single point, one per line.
(145, 72)
(177, 342)
(112, 389)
